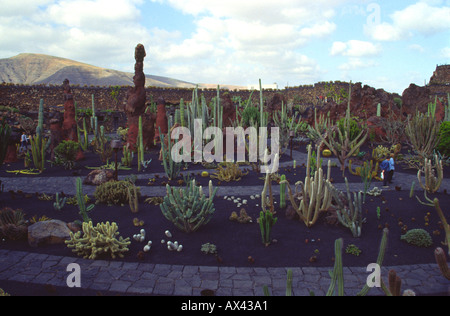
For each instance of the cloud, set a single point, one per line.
(354, 48)
(99, 32)
(248, 40)
(424, 18)
(357, 63)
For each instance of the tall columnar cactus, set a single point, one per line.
(94, 119)
(5, 134)
(39, 144)
(422, 132)
(182, 118)
(380, 259)
(337, 275)
(188, 208)
(282, 192)
(316, 195)
(434, 175)
(171, 167)
(266, 222)
(140, 146)
(441, 260)
(84, 210)
(348, 210)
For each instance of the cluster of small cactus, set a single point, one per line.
(97, 241)
(117, 193)
(189, 208)
(229, 171)
(418, 237)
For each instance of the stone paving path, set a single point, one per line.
(179, 280)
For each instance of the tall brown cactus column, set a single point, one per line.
(69, 126)
(136, 97)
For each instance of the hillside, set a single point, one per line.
(35, 69)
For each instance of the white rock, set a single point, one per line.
(180, 247)
(147, 248)
(168, 234)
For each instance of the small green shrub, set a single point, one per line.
(418, 237)
(444, 142)
(114, 193)
(66, 153)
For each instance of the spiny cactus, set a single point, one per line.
(81, 201)
(188, 208)
(315, 194)
(282, 191)
(337, 275)
(266, 222)
(59, 202)
(441, 260)
(423, 134)
(434, 175)
(348, 210)
(338, 140)
(98, 241)
(12, 224)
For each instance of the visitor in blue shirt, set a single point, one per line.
(385, 172)
(391, 168)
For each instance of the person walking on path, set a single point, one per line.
(23, 142)
(391, 168)
(385, 172)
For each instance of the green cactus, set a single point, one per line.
(171, 167)
(188, 208)
(98, 241)
(5, 134)
(337, 275)
(59, 202)
(39, 144)
(380, 259)
(282, 192)
(348, 210)
(182, 118)
(84, 210)
(316, 195)
(266, 222)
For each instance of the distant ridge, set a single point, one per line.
(35, 69)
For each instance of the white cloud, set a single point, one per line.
(355, 48)
(357, 63)
(424, 17)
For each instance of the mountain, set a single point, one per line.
(35, 69)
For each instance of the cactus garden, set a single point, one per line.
(124, 197)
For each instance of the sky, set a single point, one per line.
(383, 44)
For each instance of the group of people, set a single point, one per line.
(387, 170)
